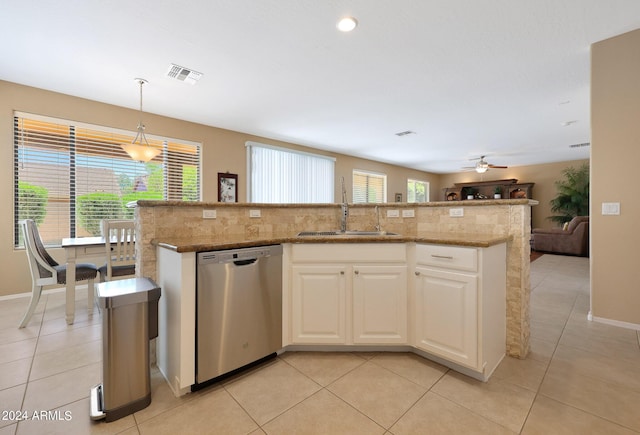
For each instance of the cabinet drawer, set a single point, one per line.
(449, 257)
(348, 252)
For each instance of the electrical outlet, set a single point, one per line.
(456, 212)
(254, 213)
(209, 214)
(393, 213)
(408, 213)
(611, 208)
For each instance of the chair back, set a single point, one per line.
(122, 249)
(41, 264)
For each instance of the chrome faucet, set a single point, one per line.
(345, 209)
(377, 211)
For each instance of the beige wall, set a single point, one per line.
(615, 153)
(544, 190)
(223, 151)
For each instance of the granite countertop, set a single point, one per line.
(232, 241)
(473, 203)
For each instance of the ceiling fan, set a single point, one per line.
(483, 166)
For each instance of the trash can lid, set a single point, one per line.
(127, 291)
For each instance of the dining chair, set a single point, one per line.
(121, 252)
(46, 271)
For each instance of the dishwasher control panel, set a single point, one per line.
(239, 254)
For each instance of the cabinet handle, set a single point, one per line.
(448, 257)
(417, 273)
(356, 272)
(342, 272)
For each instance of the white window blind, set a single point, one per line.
(279, 175)
(417, 191)
(69, 176)
(369, 187)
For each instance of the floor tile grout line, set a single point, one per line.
(537, 392)
(35, 348)
(419, 398)
(484, 417)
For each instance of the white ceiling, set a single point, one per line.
(470, 78)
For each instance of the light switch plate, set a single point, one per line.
(456, 212)
(611, 208)
(408, 213)
(393, 213)
(209, 214)
(254, 213)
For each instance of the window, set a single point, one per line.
(69, 176)
(369, 187)
(279, 175)
(417, 191)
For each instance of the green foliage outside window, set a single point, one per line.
(32, 202)
(93, 207)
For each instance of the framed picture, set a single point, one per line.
(227, 187)
(398, 197)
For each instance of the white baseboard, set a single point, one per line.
(44, 292)
(619, 323)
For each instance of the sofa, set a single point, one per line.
(574, 240)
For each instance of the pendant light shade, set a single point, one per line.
(139, 149)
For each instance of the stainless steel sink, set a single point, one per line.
(346, 233)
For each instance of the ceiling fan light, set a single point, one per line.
(482, 166)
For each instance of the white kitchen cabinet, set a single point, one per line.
(318, 304)
(460, 304)
(447, 315)
(379, 304)
(345, 294)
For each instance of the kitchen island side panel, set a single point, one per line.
(176, 319)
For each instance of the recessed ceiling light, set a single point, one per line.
(347, 24)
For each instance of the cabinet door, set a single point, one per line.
(447, 315)
(318, 298)
(379, 304)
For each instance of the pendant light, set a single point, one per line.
(141, 151)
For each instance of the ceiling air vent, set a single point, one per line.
(183, 74)
(405, 133)
(580, 145)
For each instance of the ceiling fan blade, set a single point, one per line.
(498, 166)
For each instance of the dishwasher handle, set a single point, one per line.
(245, 262)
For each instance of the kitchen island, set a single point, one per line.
(359, 293)
(173, 232)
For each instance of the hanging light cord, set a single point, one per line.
(140, 124)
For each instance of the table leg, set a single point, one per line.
(71, 285)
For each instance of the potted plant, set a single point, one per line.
(573, 195)
(497, 192)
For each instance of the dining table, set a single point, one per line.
(89, 249)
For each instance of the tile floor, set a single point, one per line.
(580, 377)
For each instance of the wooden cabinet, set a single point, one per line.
(509, 189)
(346, 294)
(460, 304)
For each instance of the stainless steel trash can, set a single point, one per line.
(129, 321)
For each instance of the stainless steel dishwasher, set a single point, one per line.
(238, 309)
